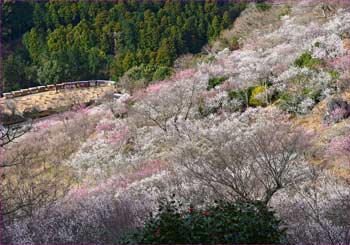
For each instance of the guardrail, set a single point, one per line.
(60, 86)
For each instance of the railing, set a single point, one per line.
(60, 86)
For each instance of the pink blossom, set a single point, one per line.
(188, 73)
(342, 64)
(45, 124)
(147, 169)
(338, 114)
(105, 126)
(279, 68)
(150, 167)
(341, 145)
(339, 149)
(210, 94)
(80, 108)
(118, 136)
(79, 192)
(157, 86)
(137, 96)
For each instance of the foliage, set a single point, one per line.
(263, 6)
(289, 103)
(241, 95)
(102, 40)
(15, 20)
(334, 74)
(306, 60)
(254, 101)
(215, 81)
(233, 43)
(219, 223)
(162, 73)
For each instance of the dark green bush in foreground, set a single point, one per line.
(220, 223)
(215, 81)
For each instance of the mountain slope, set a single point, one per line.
(262, 122)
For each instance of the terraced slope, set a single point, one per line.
(46, 103)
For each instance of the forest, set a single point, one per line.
(51, 42)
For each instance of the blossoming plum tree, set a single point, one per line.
(249, 157)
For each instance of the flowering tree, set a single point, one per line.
(316, 211)
(39, 176)
(170, 103)
(339, 149)
(91, 218)
(252, 157)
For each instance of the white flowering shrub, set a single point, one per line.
(235, 155)
(79, 218)
(317, 211)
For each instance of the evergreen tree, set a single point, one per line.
(94, 39)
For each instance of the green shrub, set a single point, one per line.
(162, 73)
(147, 72)
(253, 101)
(289, 103)
(134, 73)
(242, 95)
(209, 59)
(233, 43)
(315, 95)
(334, 74)
(215, 81)
(306, 60)
(220, 223)
(237, 94)
(263, 6)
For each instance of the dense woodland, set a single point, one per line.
(62, 41)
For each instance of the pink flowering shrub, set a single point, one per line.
(339, 149)
(209, 94)
(80, 108)
(341, 65)
(147, 169)
(338, 114)
(155, 87)
(184, 74)
(105, 126)
(118, 135)
(337, 110)
(45, 124)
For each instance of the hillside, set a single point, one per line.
(260, 123)
(42, 104)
